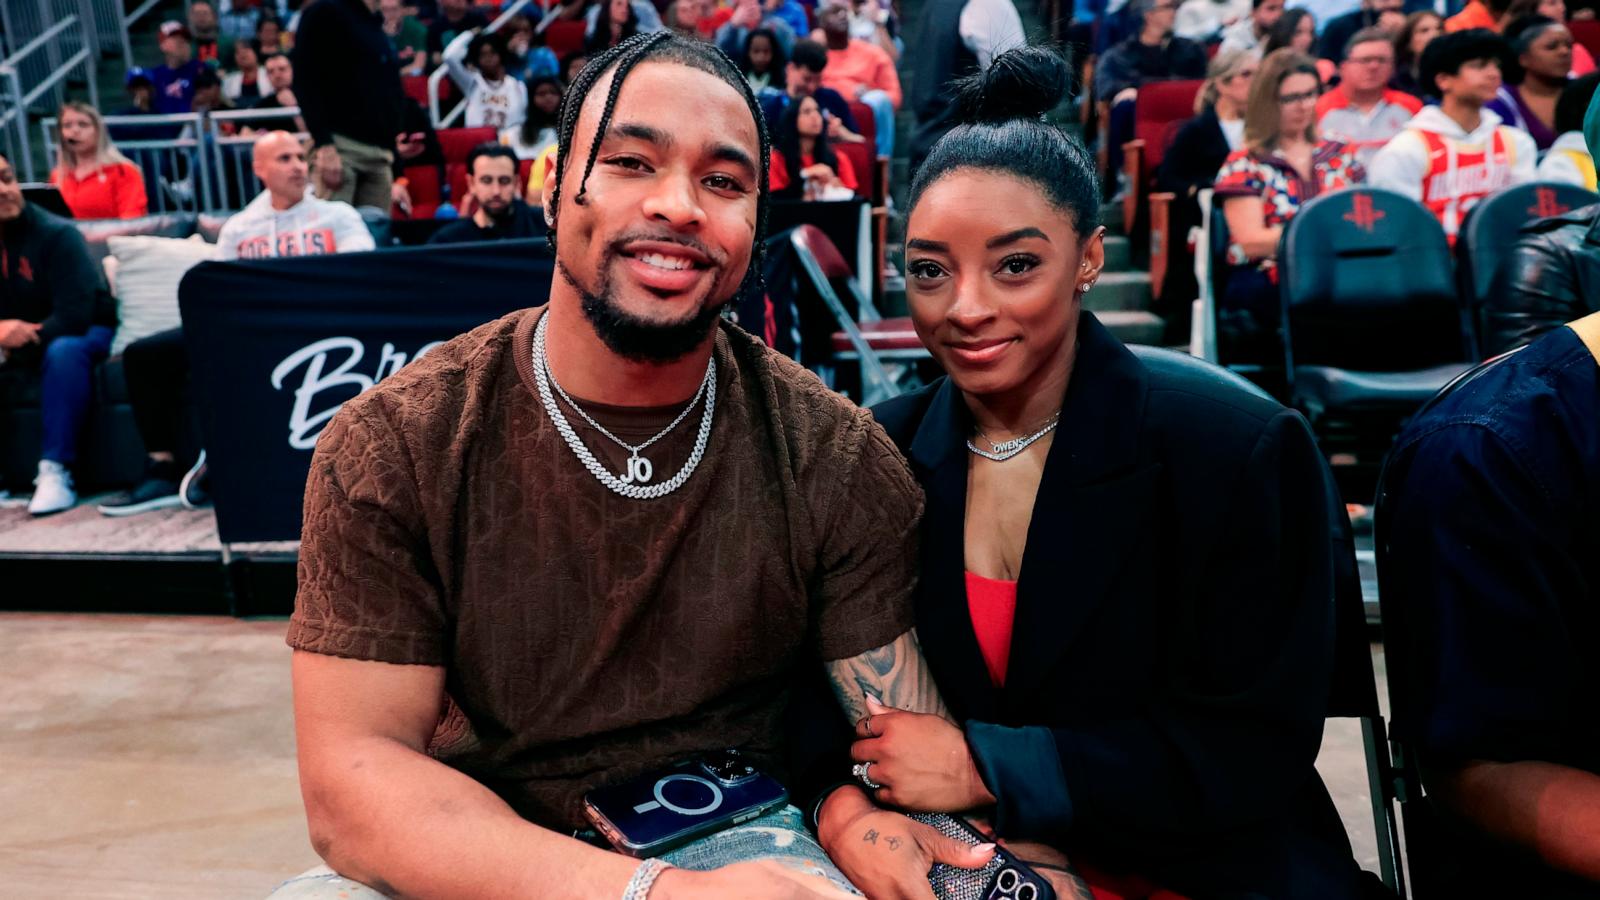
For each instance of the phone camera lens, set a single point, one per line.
(1027, 892)
(1008, 880)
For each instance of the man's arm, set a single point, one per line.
(73, 281)
(311, 52)
(895, 673)
(1549, 809)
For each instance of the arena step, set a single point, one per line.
(1134, 326)
(1119, 291)
(1119, 253)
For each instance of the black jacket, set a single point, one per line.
(1341, 29)
(346, 74)
(524, 222)
(1552, 277)
(1172, 650)
(1131, 64)
(1198, 151)
(47, 275)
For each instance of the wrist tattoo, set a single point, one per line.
(871, 837)
(893, 842)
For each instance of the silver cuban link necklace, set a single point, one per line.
(1006, 449)
(630, 484)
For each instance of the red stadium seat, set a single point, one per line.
(455, 175)
(425, 192)
(524, 170)
(1587, 33)
(1162, 108)
(867, 125)
(416, 87)
(860, 156)
(458, 142)
(564, 38)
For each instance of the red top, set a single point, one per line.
(993, 606)
(778, 171)
(111, 192)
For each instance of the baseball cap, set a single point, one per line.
(138, 73)
(173, 27)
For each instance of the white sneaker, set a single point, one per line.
(52, 491)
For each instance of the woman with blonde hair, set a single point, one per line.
(95, 179)
(1282, 165)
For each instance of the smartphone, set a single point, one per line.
(655, 813)
(1004, 878)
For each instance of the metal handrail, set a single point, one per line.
(442, 72)
(18, 101)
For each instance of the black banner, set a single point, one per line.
(276, 346)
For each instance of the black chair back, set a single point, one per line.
(1219, 251)
(1368, 285)
(1491, 228)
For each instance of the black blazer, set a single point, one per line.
(1172, 651)
(1197, 152)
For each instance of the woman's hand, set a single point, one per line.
(922, 761)
(819, 172)
(884, 853)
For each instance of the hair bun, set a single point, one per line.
(1023, 83)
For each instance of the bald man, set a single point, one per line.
(283, 221)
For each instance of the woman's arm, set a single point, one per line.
(1247, 226)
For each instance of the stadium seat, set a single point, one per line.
(862, 335)
(426, 192)
(455, 179)
(1371, 319)
(1489, 231)
(866, 124)
(1587, 33)
(416, 87)
(564, 37)
(1158, 113)
(860, 156)
(456, 143)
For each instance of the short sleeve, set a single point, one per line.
(868, 562)
(368, 588)
(1239, 177)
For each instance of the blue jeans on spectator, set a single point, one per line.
(883, 120)
(67, 386)
(781, 837)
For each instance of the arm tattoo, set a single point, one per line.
(895, 673)
(1077, 888)
(871, 837)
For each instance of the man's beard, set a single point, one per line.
(498, 215)
(635, 338)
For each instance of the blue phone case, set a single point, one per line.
(664, 810)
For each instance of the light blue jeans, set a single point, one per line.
(883, 119)
(780, 836)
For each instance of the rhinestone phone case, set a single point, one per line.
(1004, 878)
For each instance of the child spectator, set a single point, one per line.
(494, 99)
(804, 166)
(537, 132)
(95, 179)
(1541, 60)
(527, 57)
(174, 78)
(1363, 113)
(1569, 160)
(407, 35)
(763, 60)
(1418, 32)
(1455, 154)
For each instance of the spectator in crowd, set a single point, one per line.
(572, 65)
(209, 98)
(682, 17)
(1203, 21)
(56, 323)
(804, 166)
(246, 85)
(1151, 55)
(1418, 32)
(633, 323)
(354, 114)
(498, 211)
(763, 60)
(141, 102)
(1455, 154)
(1190, 166)
(95, 179)
(1251, 33)
(282, 221)
(956, 39)
(791, 13)
(1282, 166)
(1555, 10)
(1297, 30)
(494, 99)
(1387, 16)
(418, 145)
(270, 36)
(408, 37)
(802, 77)
(1569, 160)
(1541, 59)
(1363, 112)
(1553, 274)
(455, 17)
(749, 16)
(537, 132)
(1490, 529)
(237, 20)
(622, 20)
(527, 57)
(1040, 400)
(174, 78)
(860, 71)
(280, 87)
(1487, 14)
(204, 28)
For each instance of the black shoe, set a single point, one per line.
(158, 490)
(195, 491)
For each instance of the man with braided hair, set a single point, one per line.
(593, 539)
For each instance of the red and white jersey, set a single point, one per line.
(311, 227)
(1447, 169)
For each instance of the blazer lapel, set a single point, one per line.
(938, 454)
(1093, 503)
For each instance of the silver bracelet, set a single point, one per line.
(644, 878)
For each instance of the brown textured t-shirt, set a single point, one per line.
(589, 637)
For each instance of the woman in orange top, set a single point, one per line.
(95, 179)
(803, 163)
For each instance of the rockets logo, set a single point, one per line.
(1362, 214)
(1546, 204)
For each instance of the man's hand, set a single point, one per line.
(886, 854)
(330, 170)
(837, 132)
(400, 197)
(16, 333)
(1125, 94)
(761, 880)
(747, 14)
(286, 97)
(922, 761)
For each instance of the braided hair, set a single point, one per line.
(664, 46)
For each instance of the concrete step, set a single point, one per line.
(1119, 291)
(1134, 326)
(1119, 253)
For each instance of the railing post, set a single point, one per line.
(19, 117)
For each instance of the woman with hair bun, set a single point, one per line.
(1125, 573)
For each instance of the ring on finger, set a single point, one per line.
(859, 770)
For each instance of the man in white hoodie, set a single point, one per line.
(1453, 155)
(284, 220)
